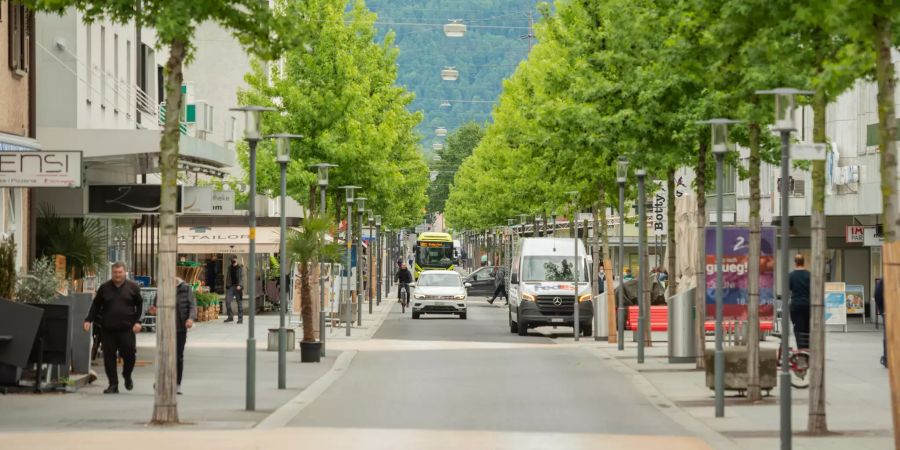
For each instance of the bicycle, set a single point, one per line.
(404, 297)
(798, 365)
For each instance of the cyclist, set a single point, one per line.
(403, 278)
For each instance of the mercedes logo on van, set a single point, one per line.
(557, 301)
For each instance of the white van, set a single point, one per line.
(541, 285)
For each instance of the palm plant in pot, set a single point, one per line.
(306, 246)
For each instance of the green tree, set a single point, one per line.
(175, 23)
(459, 146)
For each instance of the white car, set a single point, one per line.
(439, 292)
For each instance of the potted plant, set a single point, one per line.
(307, 246)
(40, 285)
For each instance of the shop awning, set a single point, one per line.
(192, 240)
(16, 143)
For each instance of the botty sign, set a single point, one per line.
(736, 272)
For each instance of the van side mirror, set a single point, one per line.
(514, 278)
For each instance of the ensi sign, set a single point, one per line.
(40, 169)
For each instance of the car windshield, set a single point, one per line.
(439, 279)
(550, 268)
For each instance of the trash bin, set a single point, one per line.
(600, 302)
(681, 327)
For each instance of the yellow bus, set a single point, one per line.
(434, 251)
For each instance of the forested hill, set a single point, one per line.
(495, 43)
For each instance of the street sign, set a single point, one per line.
(873, 237)
(854, 234)
(808, 151)
(40, 169)
(128, 199)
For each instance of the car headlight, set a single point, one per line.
(528, 297)
(419, 296)
(459, 297)
(584, 298)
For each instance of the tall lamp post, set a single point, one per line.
(641, 175)
(360, 212)
(720, 146)
(322, 178)
(621, 177)
(784, 124)
(252, 134)
(380, 258)
(283, 157)
(576, 300)
(373, 249)
(348, 316)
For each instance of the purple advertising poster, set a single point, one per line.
(736, 272)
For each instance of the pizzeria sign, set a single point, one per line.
(40, 169)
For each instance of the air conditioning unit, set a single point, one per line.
(797, 186)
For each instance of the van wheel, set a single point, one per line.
(513, 327)
(522, 327)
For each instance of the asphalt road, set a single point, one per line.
(444, 373)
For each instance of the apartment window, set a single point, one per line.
(102, 66)
(89, 61)
(19, 39)
(116, 71)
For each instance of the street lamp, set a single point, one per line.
(360, 211)
(437, 146)
(445, 103)
(576, 304)
(784, 124)
(449, 74)
(283, 157)
(379, 258)
(455, 29)
(349, 305)
(720, 146)
(641, 175)
(372, 257)
(621, 177)
(252, 134)
(322, 181)
(440, 131)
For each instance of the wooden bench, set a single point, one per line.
(728, 326)
(659, 318)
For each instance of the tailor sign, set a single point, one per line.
(736, 272)
(40, 169)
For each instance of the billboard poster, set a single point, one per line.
(736, 272)
(856, 299)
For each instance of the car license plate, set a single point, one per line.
(556, 319)
(438, 303)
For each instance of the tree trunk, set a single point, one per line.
(817, 424)
(754, 394)
(887, 133)
(306, 312)
(670, 234)
(165, 404)
(700, 291)
(612, 326)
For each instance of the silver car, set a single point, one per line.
(439, 292)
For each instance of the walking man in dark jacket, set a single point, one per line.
(235, 290)
(117, 305)
(799, 285)
(499, 285)
(185, 313)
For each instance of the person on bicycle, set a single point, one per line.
(799, 284)
(403, 278)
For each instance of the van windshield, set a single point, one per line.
(551, 268)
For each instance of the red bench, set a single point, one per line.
(659, 318)
(659, 321)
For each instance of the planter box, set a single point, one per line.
(736, 368)
(273, 339)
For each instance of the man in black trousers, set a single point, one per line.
(235, 291)
(118, 306)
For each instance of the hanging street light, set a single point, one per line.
(455, 29)
(445, 103)
(437, 146)
(449, 74)
(252, 134)
(283, 157)
(322, 181)
(440, 131)
(784, 124)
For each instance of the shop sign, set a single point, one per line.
(659, 212)
(40, 169)
(128, 199)
(835, 304)
(205, 200)
(854, 234)
(736, 272)
(856, 299)
(872, 237)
